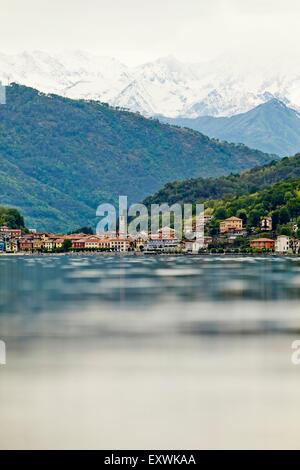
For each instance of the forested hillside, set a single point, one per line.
(202, 189)
(61, 158)
(281, 201)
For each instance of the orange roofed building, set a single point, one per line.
(263, 243)
(233, 224)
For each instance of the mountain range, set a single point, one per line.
(271, 127)
(61, 158)
(222, 87)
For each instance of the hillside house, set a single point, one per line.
(232, 224)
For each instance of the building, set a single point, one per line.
(282, 244)
(26, 244)
(295, 245)
(196, 245)
(92, 243)
(119, 244)
(232, 224)
(122, 225)
(78, 244)
(263, 244)
(287, 245)
(139, 240)
(12, 246)
(266, 224)
(170, 245)
(7, 232)
(164, 233)
(49, 244)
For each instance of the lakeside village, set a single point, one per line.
(231, 238)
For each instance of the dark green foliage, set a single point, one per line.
(281, 201)
(67, 245)
(200, 189)
(61, 158)
(11, 217)
(85, 230)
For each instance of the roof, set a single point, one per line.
(263, 240)
(167, 229)
(233, 218)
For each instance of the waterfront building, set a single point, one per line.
(287, 245)
(26, 244)
(7, 232)
(119, 244)
(165, 245)
(195, 245)
(263, 243)
(12, 246)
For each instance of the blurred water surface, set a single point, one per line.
(149, 352)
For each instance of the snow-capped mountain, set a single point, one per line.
(271, 127)
(166, 86)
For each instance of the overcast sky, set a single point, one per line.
(137, 31)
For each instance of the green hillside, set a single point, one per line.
(281, 201)
(60, 158)
(201, 189)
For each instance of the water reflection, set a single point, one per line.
(149, 352)
(157, 293)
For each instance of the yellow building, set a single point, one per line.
(37, 244)
(232, 224)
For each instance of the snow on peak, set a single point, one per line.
(165, 86)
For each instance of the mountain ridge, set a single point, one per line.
(271, 127)
(60, 158)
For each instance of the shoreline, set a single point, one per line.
(137, 253)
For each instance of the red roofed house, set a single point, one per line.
(263, 243)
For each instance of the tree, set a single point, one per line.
(243, 215)
(285, 230)
(67, 245)
(275, 219)
(11, 217)
(284, 216)
(254, 218)
(85, 230)
(221, 213)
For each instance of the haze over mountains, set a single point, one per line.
(166, 86)
(61, 158)
(271, 127)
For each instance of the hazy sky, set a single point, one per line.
(136, 31)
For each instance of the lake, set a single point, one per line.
(128, 352)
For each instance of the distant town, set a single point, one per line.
(232, 238)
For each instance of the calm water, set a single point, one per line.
(149, 352)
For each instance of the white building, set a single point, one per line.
(282, 244)
(285, 244)
(195, 245)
